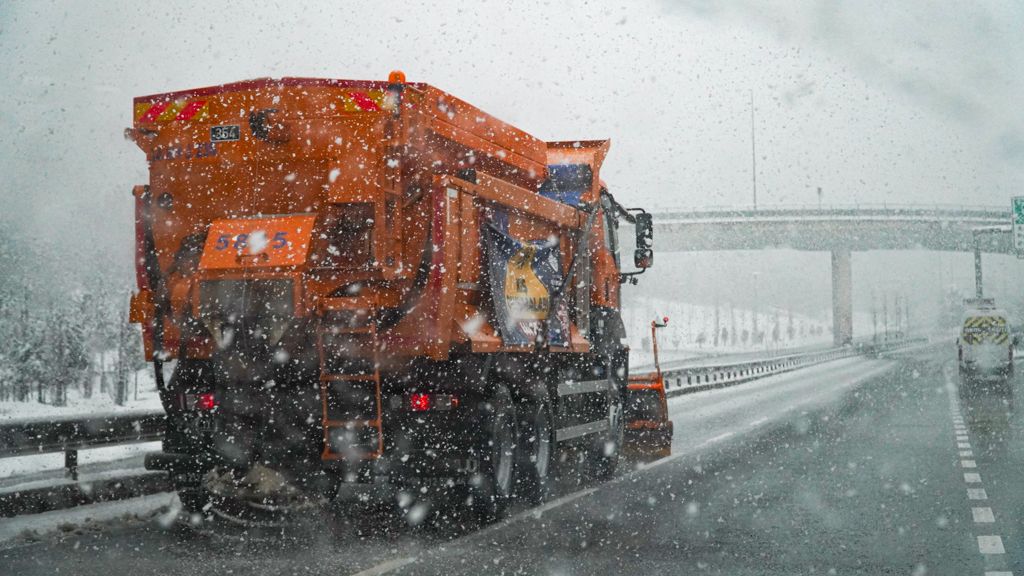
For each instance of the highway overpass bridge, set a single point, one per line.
(836, 229)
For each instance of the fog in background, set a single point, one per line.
(908, 102)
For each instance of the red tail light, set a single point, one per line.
(205, 401)
(419, 402)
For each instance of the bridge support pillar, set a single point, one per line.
(842, 297)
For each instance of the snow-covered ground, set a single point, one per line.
(100, 404)
(77, 405)
(20, 530)
(691, 329)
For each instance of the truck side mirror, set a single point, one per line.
(643, 257)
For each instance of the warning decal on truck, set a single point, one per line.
(979, 329)
(523, 278)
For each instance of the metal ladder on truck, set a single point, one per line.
(350, 383)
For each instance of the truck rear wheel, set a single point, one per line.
(536, 447)
(492, 488)
(195, 500)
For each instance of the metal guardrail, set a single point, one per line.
(1000, 212)
(694, 379)
(69, 435)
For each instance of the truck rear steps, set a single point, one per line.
(350, 386)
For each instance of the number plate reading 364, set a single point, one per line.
(224, 133)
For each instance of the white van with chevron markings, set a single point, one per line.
(985, 344)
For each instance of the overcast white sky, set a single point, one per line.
(874, 101)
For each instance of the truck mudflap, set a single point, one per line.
(648, 439)
(648, 429)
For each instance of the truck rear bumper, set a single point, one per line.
(978, 371)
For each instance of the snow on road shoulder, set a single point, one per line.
(25, 530)
(98, 405)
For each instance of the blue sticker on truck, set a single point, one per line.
(524, 280)
(196, 150)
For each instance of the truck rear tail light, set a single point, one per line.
(419, 402)
(205, 402)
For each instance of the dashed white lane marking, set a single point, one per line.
(983, 515)
(758, 421)
(991, 545)
(385, 567)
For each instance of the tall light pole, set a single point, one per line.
(874, 318)
(906, 315)
(757, 308)
(885, 313)
(979, 291)
(753, 149)
(978, 283)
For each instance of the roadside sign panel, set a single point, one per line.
(1018, 225)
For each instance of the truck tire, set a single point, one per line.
(492, 488)
(195, 500)
(536, 451)
(604, 454)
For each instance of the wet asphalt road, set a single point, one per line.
(852, 467)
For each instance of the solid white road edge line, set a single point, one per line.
(386, 566)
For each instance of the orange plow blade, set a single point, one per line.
(648, 429)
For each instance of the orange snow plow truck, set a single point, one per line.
(375, 282)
